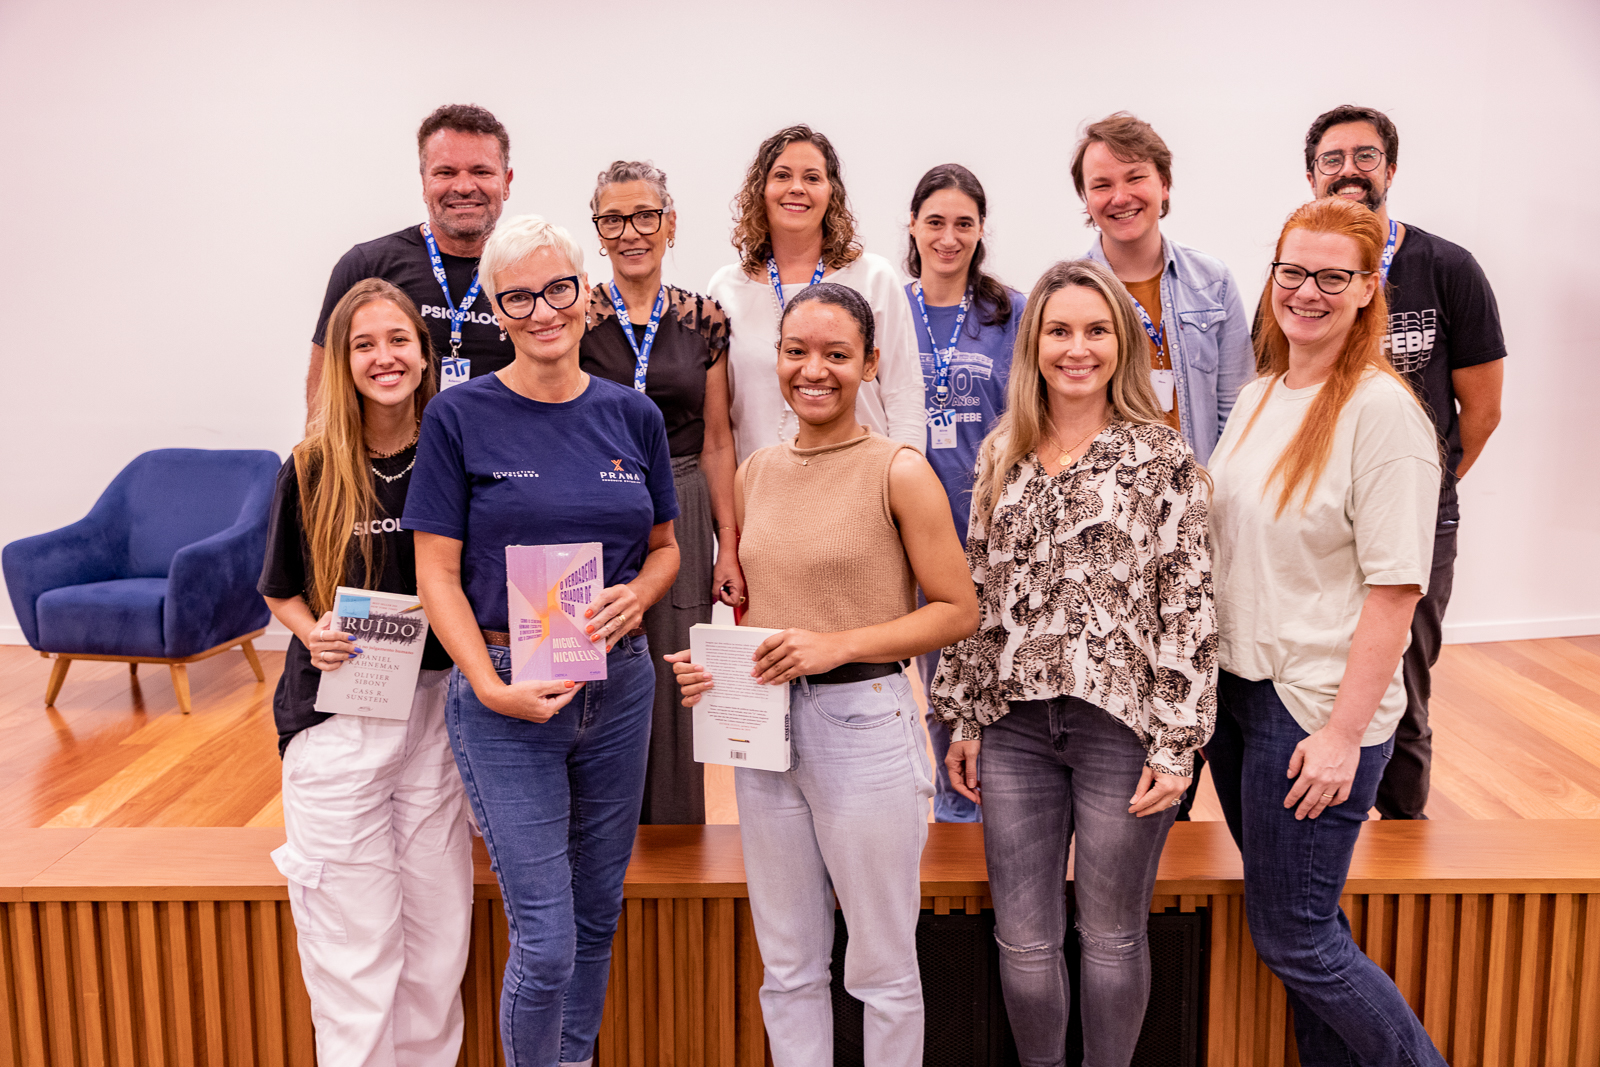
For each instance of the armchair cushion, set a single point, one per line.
(192, 521)
(117, 618)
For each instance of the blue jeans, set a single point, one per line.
(558, 802)
(948, 805)
(1054, 770)
(848, 818)
(1346, 1010)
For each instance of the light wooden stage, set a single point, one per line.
(1516, 736)
(141, 922)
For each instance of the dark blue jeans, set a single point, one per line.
(558, 802)
(1346, 1010)
(1057, 772)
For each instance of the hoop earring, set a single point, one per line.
(602, 250)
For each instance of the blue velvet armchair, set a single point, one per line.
(163, 569)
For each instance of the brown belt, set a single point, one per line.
(501, 639)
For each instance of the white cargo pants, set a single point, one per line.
(379, 862)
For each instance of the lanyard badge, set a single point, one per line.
(641, 353)
(456, 369)
(1388, 252)
(777, 288)
(942, 357)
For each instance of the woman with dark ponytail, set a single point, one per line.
(966, 324)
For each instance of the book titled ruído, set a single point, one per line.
(390, 630)
(737, 722)
(549, 587)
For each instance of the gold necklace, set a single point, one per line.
(1066, 453)
(416, 430)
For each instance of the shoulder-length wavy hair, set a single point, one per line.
(1019, 431)
(752, 235)
(1306, 455)
(331, 466)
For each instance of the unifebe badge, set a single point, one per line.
(549, 587)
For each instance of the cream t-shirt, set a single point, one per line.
(1290, 589)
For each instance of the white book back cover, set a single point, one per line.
(738, 723)
(391, 630)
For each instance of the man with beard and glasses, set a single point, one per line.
(1444, 338)
(465, 157)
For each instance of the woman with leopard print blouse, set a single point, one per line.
(1092, 679)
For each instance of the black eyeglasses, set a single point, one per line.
(645, 223)
(1331, 280)
(559, 294)
(1366, 159)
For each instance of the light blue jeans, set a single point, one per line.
(847, 819)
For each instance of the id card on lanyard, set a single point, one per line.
(941, 421)
(641, 352)
(1162, 381)
(454, 368)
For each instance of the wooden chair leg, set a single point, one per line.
(58, 674)
(180, 686)
(133, 670)
(249, 650)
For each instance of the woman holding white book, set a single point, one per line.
(838, 527)
(542, 453)
(378, 855)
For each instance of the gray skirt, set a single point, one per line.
(674, 790)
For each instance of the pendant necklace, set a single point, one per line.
(1066, 453)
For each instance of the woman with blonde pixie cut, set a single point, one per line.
(542, 453)
(1327, 485)
(1091, 680)
(377, 857)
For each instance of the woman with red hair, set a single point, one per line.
(1327, 483)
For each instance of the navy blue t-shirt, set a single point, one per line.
(979, 371)
(495, 469)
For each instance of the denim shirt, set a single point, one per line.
(1212, 357)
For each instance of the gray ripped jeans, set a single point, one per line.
(1053, 769)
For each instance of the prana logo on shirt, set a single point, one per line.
(618, 474)
(1409, 342)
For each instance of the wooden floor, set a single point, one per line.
(1516, 736)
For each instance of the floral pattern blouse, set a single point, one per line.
(1095, 583)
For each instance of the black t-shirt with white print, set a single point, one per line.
(401, 259)
(286, 572)
(1442, 317)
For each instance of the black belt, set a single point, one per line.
(856, 672)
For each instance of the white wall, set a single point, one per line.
(178, 178)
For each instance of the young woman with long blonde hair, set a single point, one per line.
(1091, 680)
(378, 855)
(1327, 485)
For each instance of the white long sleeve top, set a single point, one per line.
(890, 405)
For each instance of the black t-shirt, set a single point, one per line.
(692, 336)
(402, 260)
(1442, 317)
(287, 570)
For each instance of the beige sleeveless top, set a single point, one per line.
(819, 546)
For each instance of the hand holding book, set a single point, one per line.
(329, 647)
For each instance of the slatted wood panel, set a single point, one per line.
(152, 983)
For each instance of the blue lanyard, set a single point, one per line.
(641, 355)
(1388, 252)
(1157, 337)
(777, 289)
(942, 357)
(457, 315)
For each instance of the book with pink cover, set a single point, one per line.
(549, 588)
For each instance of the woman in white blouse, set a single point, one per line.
(1091, 680)
(793, 229)
(1327, 486)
